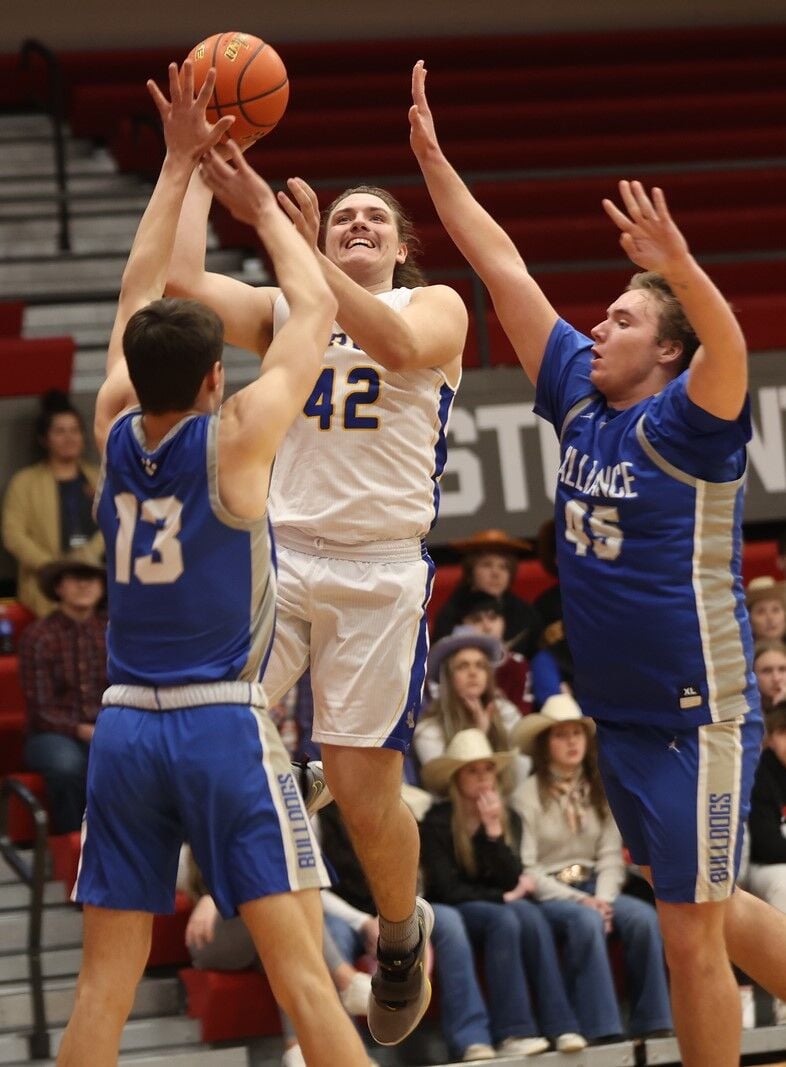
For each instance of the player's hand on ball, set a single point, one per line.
(649, 235)
(422, 133)
(237, 185)
(187, 132)
(302, 208)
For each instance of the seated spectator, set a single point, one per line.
(572, 850)
(470, 854)
(769, 666)
(766, 602)
(62, 660)
(217, 944)
(47, 511)
(767, 823)
(489, 563)
(486, 614)
(349, 915)
(462, 665)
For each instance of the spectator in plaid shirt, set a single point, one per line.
(63, 671)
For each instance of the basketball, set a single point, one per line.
(251, 83)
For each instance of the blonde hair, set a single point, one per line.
(462, 840)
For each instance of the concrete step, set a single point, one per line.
(14, 127)
(139, 1034)
(80, 205)
(92, 234)
(37, 185)
(37, 160)
(187, 1057)
(18, 895)
(55, 963)
(60, 277)
(240, 368)
(13, 1047)
(61, 927)
(154, 997)
(8, 874)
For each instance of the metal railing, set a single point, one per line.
(33, 874)
(54, 107)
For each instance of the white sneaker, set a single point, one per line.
(293, 1057)
(522, 1046)
(473, 1053)
(570, 1043)
(355, 997)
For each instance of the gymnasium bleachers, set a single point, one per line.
(540, 126)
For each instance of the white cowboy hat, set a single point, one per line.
(764, 588)
(463, 637)
(467, 746)
(559, 708)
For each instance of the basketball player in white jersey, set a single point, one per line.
(183, 747)
(355, 489)
(653, 419)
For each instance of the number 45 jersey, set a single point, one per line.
(649, 527)
(362, 461)
(191, 588)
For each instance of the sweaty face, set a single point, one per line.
(361, 237)
(768, 620)
(627, 358)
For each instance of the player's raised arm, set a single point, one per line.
(188, 134)
(718, 378)
(263, 411)
(523, 310)
(430, 332)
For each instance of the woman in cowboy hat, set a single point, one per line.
(769, 665)
(572, 850)
(765, 600)
(470, 848)
(489, 562)
(462, 666)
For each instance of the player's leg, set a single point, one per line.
(287, 931)
(704, 996)
(116, 945)
(755, 935)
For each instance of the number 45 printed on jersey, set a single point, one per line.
(321, 404)
(593, 528)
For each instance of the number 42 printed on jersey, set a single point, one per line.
(322, 405)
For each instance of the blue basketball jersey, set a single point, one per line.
(648, 516)
(191, 587)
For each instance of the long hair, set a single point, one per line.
(462, 840)
(589, 765)
(407, 274)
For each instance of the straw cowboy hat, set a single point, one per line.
(51, 574)
(557, 709)
(467, 746)
(463, 637)
(764, 588)
(494, 541)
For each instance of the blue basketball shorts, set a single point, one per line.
(216, 776)
(681, 800)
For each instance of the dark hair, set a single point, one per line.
(475, 601)
(170, 345)
(673, 323)
(52, 403)
(775, 717)
(407, 273)
(768, 645)
(540, 768)
(471, 559)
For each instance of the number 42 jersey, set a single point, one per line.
(648, 520)
(191, 587)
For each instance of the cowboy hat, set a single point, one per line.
(494, 541)
(467, 746)
(463, 637)
(559, 708)
(51, 574)
(764, 588)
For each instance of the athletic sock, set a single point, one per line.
(398, 940)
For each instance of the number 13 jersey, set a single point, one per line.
(648, 520)
(191, 587)
(363, 460)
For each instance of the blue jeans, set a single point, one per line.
(463, 1013)
(517, 943)
(581, 933)
(349, 942)
(62, 761)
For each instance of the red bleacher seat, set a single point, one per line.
(168, 942)
(531, 580)
(20, 825)
(12, 698)
(11, 313)
(12, 738)
(231, 1005)
(30, 367)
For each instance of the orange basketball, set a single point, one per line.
(251, 83)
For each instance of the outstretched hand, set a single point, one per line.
(302, 208)
(422, 132)
(187, 131)
(649, 235)
(237, 185)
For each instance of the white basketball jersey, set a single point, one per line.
(362, 461)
